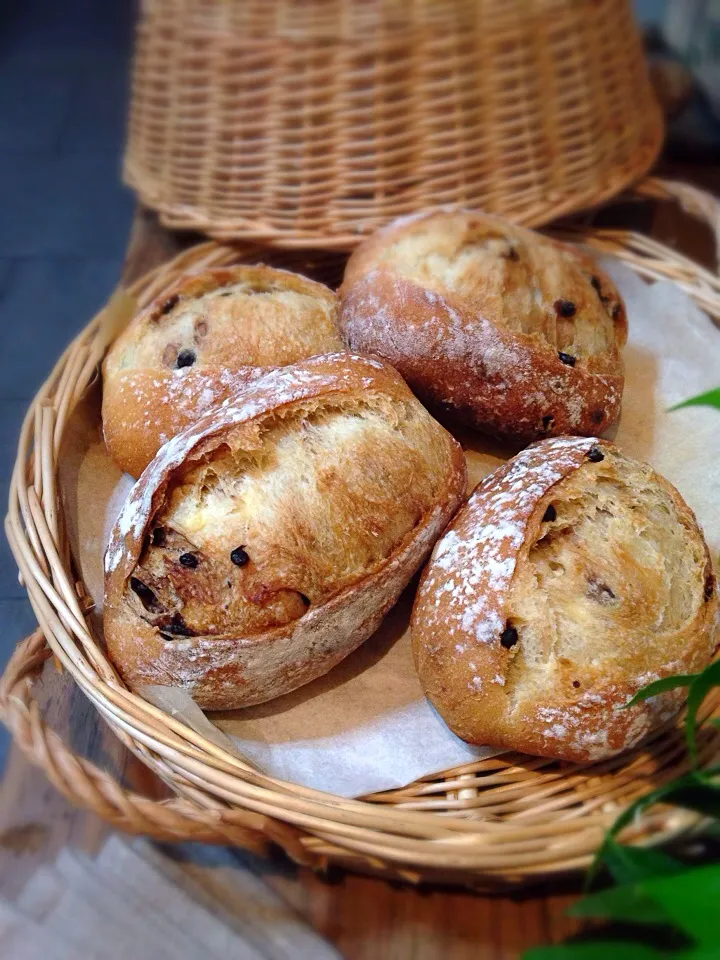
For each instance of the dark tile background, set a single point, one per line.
(64, 215)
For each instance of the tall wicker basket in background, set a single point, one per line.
(312, 122)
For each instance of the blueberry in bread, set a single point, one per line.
(573, 577)
(267, 541)
(494, 325)
(200, 342)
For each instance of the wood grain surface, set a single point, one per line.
(364, 918)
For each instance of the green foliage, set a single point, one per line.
(699, 685)
(631, 864)
(695, 791)
(665, 907)
(660, 686)
(709, 399)
(699, 689)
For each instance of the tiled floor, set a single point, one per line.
(65, 215)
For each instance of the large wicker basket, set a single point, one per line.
(312, 122)
(488, 823)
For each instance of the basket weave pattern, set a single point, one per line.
(313, 122)
(488, 823)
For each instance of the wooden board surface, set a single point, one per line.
(365, 918)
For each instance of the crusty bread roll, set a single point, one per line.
(489, 323)
(573, 577)
(199, 343)
(267, 541)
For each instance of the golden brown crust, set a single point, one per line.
(571, 578)
(228, 326)
(471, 310)
(322, 569)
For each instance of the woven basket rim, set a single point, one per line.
(409, 833)
(179, 216)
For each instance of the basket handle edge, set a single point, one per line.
(695, 201)
(85, 785)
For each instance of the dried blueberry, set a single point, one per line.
(709, 587)
(186, 358)
(158, 537)
(576, 683)
(145, 595)
(239, 557)
(169, 304)
(550, 514)
(547, 422)
(565, 308)
(597, 416)
(178, 627)
(188, 560)
(567, 358)
(595, 455)
(509, 637)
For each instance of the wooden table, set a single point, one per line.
(365, 918)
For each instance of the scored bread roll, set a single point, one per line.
(200, 342)
(572, 577)
(267, 541)
(489, 323)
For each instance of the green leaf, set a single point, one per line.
(660, 686)
(690, 899)
(632, 864)
(684, 901)
(595, 950)
(703, 797)
(694, 791)
(699, 688)
(699, 685)
(709, 399)
(628, 903)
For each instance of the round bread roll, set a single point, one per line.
(573, 577)
(199, 343)
(266, 542)
(491, 324)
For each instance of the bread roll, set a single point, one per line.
(573, 577)
(199, 343)
(267, 541)
(489, 323)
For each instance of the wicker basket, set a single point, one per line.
(488, 823)
(312, 122)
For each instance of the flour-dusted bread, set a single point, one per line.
(573, 577)
(199, 343)
(494, 325)
(267, 541)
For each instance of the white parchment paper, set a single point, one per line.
(366, 725)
